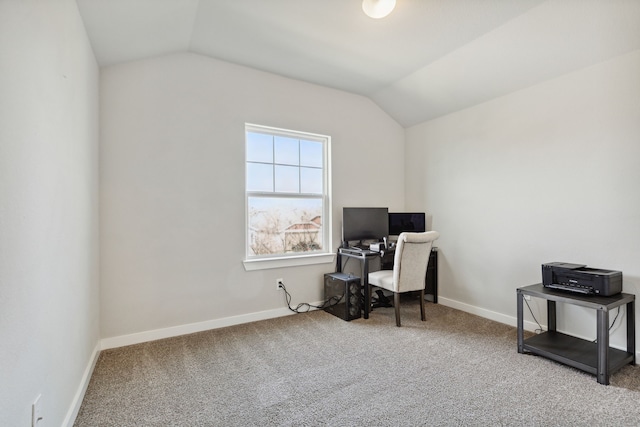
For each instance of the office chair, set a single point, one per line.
(409, 268)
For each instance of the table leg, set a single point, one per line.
(603, 346)
(631, 330)
(551, 315)
(435, 276)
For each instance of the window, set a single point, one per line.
(287, 194)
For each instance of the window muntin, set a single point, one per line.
(287, 193)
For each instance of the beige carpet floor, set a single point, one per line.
(315, 369)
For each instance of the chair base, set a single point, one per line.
(381, 300)
(396, 305)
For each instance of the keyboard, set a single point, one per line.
(355, 250)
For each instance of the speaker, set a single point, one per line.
(347, 292)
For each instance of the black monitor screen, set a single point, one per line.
(406, 221)
(365, 223)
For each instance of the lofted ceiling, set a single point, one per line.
(426, 59)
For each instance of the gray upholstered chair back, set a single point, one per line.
(411, 259)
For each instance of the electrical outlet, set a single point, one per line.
(279, 283)
(36, 411)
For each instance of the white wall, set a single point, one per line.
(172, 189)
(49, 310)
(549, 173)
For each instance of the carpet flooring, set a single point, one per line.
(314, 369)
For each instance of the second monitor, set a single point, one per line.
(400, 222)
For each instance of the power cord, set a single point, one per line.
(540, 329)
(345, 262)
(615, 318)
(612, 323)
(304, 307)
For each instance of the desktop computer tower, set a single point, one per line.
(346, 293)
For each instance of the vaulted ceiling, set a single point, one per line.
(426, 59)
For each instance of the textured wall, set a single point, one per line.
(49, 310)
(172, 186)
(545, 174)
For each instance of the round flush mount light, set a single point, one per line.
(378, 8)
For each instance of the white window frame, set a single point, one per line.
(326, 255)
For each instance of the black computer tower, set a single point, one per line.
(346, 292)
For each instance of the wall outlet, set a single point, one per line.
(279, 284)
(36, 412)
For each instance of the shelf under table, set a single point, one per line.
(575, 352)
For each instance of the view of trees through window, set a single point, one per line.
(278, 226)
(285, 192)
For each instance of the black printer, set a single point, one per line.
(578, 278)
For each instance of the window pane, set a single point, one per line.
(259, 177)
(287, 151)
(259, 147)
(311, 180)
(310, 153)
(283, 225)
(287, 179)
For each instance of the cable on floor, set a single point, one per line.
(304, 307)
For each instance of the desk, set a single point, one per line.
(596, 358)
(364, 256)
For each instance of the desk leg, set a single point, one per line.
(364, 279)
(631, 330)
(551, 315)
(435, 279)
(520, 323)
(603, 346)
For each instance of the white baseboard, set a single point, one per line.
(190, 328)
(76, 403)
(488, 314)
(141, 337)
(174, 331)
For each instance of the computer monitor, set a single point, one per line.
(365, 224)
(406, 221)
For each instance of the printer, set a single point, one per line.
(580, 279)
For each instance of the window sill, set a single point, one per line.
(291, 261)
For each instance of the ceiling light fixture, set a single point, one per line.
(378, 8)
